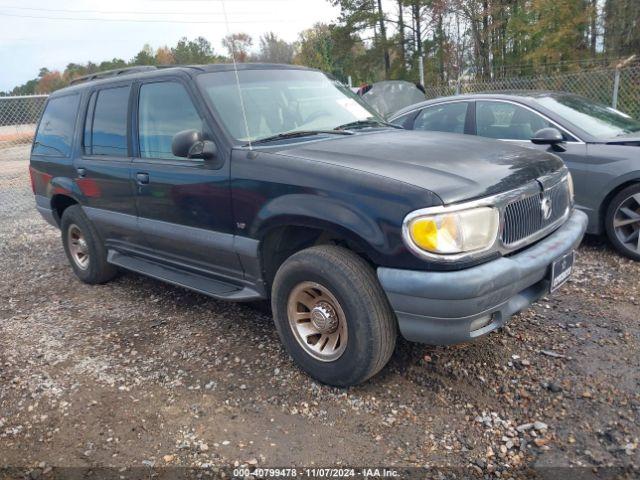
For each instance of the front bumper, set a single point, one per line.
(443, 308)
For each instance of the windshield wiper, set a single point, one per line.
(624, 133)
(296, 134)
(365, 124)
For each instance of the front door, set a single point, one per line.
(184, 205)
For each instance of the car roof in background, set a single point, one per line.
(496, 94)
(132, 73)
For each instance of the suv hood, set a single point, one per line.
(454, 167)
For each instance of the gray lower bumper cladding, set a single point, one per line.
(43, 205)
(442, 308)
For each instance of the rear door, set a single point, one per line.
(104, 165)
(184, 205)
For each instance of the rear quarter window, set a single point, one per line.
(55, 133)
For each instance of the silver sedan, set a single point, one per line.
(599, 145)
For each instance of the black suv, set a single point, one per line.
(276, 182)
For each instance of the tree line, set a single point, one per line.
(387, 39)
(481, 39)
(185, 52)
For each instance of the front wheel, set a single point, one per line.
(333, 316)
(622, 222)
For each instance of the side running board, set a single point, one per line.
(193, 281)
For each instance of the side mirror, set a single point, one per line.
(547, 136)
(205, 149)
(190, 144)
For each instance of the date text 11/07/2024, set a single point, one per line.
(371, 472)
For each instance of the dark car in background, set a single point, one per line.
(277, 182)
(599, 145)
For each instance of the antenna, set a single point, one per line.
(235, 70)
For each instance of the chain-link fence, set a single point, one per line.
(598, 85)
(18, 119)
(628, 95)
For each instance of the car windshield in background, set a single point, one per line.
(597, 120)
(388, 97)
(283, 101)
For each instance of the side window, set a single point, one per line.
(406, 120)
(165, 109)
(105, 129)
(88, 124)
(55, 133)
(507, 121)
(445, 117)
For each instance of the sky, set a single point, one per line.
(98, 31)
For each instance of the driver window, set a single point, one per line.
(507, 121)
(445, 117)
(165, 109)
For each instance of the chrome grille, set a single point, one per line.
(524, 218)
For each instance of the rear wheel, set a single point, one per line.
(85, 251)
(623, 222)
(333, 316)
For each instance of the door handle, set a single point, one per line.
(82, 172)
(142, 178)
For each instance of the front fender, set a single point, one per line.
(617, 181)
(596, 225)
(365, 209)
(324, 213)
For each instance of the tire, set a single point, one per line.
(623, 229)
(84, 248)
(346, 289)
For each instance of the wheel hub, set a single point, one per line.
(317, 321)
(324, 318)
(78, 247)
(626, 223)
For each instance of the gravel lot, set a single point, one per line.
(137, 373)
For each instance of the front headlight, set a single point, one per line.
(570, 184)
(455, 232)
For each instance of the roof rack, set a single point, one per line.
(173, 65)
(112, 73)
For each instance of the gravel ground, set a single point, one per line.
(138, 373)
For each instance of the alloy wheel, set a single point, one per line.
(626, 223)
(78, 247)
(317, 321)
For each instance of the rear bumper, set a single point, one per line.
(43, 204)
(442, 308)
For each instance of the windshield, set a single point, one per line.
(282, 101)
(597, 120)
